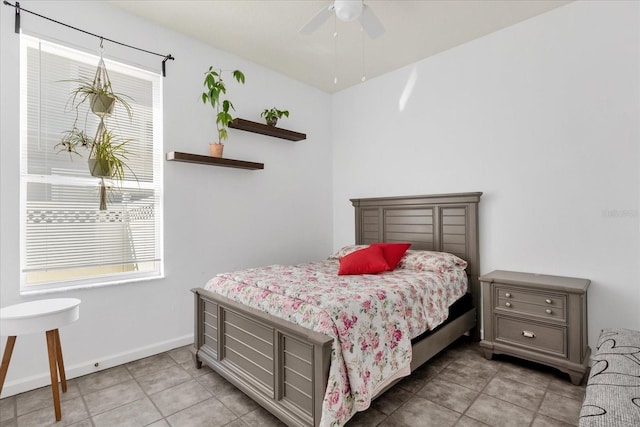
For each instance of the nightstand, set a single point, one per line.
(537, 317)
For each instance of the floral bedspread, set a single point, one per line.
(372, 319)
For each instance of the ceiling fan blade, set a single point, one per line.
(370, 23)
(319, 19)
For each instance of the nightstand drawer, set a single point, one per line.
(514, 307)
(535, 336)
(549, 300)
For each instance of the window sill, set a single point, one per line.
(82, 286)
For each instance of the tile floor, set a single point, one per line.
(459, 387)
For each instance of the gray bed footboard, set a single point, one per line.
(281, 366)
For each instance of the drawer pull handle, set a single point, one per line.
(548, 301)
(508, 295)
(508, 304)
(548, 311)
(528, 334)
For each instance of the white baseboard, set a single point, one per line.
(43, 379)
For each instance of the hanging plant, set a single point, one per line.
(99, 93)
(107, 156)
(107, 153)
(71, 140)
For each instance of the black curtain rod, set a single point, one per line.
(17, 30)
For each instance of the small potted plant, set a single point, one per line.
(108, 155)
(101, 98)
(99, 93)
(271, 115)
(214, 88)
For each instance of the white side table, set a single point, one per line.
(40, 316)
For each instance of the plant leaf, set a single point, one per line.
(239, 76)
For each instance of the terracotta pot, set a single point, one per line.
(102, 105)
(216, 150)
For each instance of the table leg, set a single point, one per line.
(63, 376)
(53, 368)
(6, 358)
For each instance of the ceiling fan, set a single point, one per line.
(347, 10)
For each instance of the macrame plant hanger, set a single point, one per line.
(102, 81)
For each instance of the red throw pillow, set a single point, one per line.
(393, 252)
(364, 261)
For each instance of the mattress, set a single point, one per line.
(372, 318)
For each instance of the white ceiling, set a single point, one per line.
(266, 32)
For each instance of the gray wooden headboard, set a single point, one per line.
(441, 222)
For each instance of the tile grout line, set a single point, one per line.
(134, 379)
(15, 408)
(84, 403)
(415, 394)
(412, 395)
(191, 378)
(540, 404)
(148, 396)
(477, 397)
(536, 411)
(91, 417)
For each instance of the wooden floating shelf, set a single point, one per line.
(177, 156)
(255, 127)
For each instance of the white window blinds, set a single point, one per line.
(66, 240)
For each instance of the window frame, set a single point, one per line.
(156, 185)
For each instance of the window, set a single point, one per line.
(66, 240)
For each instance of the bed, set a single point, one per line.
(285, 367)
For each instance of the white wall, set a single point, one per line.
(216, 219)
(543, 117)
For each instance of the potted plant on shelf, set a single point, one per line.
(271, 115)
(215, 87)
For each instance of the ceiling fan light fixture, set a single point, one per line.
(348, 10)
